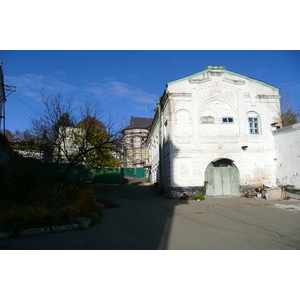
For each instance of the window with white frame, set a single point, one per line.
(253, 125)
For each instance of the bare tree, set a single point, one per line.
(68, 146)
(288, 114)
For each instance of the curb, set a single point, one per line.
(37, 231)
(64, 228)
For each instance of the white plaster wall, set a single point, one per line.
(287, 141)
(153, 150)
(193, 145)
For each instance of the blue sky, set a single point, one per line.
(123, 80)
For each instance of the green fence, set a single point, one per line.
(134, 172)
(108, 176)
(104, 176)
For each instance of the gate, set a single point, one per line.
(134, 172)
(223, 178)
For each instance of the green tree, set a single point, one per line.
(70, 146)
(103, 149)
(102, 145)
(63, 121)
(20, 140)
(9, 135)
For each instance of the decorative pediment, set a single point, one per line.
(219, 71)
(235, 82)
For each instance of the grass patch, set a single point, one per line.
(199, 197)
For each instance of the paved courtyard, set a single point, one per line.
(148, 221)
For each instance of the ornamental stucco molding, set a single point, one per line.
(199, 81)
(235, 82)
(215, 73)
(180, 96)
(262, 96)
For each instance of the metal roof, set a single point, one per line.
(223, 69)
(140, 123)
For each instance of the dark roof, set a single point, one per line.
(139, 123)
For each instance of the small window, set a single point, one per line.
(227, 120)
(208, 119)
(253, 125)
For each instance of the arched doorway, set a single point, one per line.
(223, 178)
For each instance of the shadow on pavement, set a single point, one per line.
(141, 223)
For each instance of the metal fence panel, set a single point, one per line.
(134, 172)
(105, 176)
(140, 173)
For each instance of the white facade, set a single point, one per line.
(287, 143)
(67, 136)
(208, 116)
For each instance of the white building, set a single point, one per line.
(214, 126)
(67, 140)
(287, 144)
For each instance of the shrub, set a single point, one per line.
(70, 204)
(16, 218)
(204, 187)
(198, 197)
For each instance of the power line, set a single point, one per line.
(5, 91)
(26, 104)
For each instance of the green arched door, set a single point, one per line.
(223, 178)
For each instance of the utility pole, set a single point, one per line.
(5, 91)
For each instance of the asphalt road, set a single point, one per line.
(148, 221)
